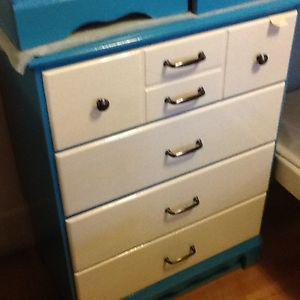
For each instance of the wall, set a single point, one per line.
(15, 227)
(294, 71)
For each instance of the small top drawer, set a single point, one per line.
(178, 96)
(259, 52)
(95, 98)
(186, 56)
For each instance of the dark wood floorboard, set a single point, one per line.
(276, 276)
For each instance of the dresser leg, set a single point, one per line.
(250, 258)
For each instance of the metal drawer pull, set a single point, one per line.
(181, 259)
(262, 59)
(201, 93)
(171, 212)
(179, 64)
(198, 146)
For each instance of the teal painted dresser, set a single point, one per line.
(146, 156)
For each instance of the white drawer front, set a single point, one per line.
(270, 36)
(144, 265)
(195, 91)
(142, 217)
(119, 165)
(72, 94)
(212, 44)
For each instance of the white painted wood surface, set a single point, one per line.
(107, 169)
(288, 145)
(288, 175)
(211, 81)
(212, 43)
(246, 41)
(111, 229)
(287, 167)
(144, 265)
(72, 93)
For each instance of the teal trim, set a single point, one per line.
(204, 6)
(65, 279)
(26, 111)
(165, 32)
(242, 255)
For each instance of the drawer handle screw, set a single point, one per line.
(102, 104)
(262, 59)
(171, 212)
(192, 252)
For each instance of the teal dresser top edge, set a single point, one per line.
(32, 23)
(149, 36)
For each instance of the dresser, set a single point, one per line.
(147, 163)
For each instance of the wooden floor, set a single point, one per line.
(276, 276)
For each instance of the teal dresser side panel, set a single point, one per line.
(293, 82)
(29, 128)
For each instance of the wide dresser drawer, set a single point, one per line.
(144, 216)
(107, 169)
(149, 263)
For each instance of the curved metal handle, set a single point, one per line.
(171, 212)
(181, 259)
(201, 93)
(262, 59)
(198, 146)
(179, 64)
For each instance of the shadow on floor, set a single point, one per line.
(281, 233)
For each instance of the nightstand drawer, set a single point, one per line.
(144, 216)
(95, 98)
(110, 168)
(186, 56)
(149, 263)
(258, 53)
(185, 94)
